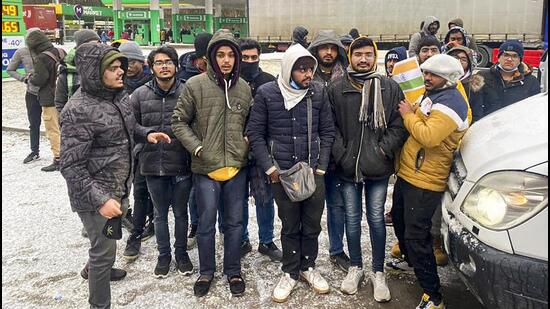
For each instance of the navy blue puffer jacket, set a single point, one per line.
(276, 132)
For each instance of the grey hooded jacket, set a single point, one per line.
(415, 38)
(97, 130)
(329, 37)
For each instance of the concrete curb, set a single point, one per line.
(21, 130)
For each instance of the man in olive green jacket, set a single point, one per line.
(209, 120)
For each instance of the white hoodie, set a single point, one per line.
(292, 96)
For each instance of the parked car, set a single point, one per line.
(495, 210)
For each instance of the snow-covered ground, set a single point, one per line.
(43, 252)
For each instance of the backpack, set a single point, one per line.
(58, 59)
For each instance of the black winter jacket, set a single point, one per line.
(98, 126)
(45, 69)
(186, 67)
(493, 93)
(153, 109)
(262, 78)
(275, 132)
(373, 155)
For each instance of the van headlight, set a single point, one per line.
(502, 200)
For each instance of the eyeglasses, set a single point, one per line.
(462, 59)
(159, 63)
(367, 55)
(511, 56)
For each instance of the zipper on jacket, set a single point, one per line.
(161, 146)
(225, 124)
(359, 154)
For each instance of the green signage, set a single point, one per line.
(233, 20)
(68, 10)
(190, 18)
(135, 15)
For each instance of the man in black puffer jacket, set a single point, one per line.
(97, 138)
(166, 167)
(278, 131)
(370, 132)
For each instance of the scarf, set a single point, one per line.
(371, 111)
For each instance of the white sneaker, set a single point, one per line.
(284, 288)
(381, 291)
(352, 281)
(315, 280)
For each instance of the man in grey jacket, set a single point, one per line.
(330, 54)
(429, 28)
(34, 111)
(98, 123)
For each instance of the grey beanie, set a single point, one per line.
(132, 51)
(85, 36)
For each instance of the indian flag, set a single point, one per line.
(409, 77)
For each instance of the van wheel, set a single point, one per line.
(484, 56)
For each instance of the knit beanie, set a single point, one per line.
(396, 53)
(132, 51)
(511, 45)
(428, 41)
(445, 66)
(110, 57)
(201, 44)
(346, 39)
(85, 36)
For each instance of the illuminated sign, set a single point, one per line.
(10, 26)
(9, 10)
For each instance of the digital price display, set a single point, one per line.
(10, 10)
(10, 26)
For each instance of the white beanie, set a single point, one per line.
(445, 66)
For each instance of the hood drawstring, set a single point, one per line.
(227, 86)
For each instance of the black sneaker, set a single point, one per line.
(133, 245)
(163, 266)
(341, 260)
(271, 251)
(52, 167)
(184, 265)
(116, 273)
(31, 157)
(202, 285)
(148, 232)
(192, 237)
(245, 248)
(236, 285)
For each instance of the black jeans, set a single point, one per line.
(209, 193)
(143, 206)
(301, 227)
(412, 213)
(34, 114)
(169, 191)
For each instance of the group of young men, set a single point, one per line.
(203, 132)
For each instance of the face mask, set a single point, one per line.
(294, 85)
(250, 70)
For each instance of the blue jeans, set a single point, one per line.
(375, 198)
(336, 213)
(195, 214)
(265, 215)
(209, 193)
(166, 191)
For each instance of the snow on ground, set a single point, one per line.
(43, 252)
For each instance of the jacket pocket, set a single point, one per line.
(348, 160)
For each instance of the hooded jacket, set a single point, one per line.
(213, 118)
(465, 38)
(97, 136)
(23, 56)
(471, 40)
(131, 84)
(415, 38)
(153, 108)
(68, 81)
(401, 53)
(45, 69)
(187, 66)
(277, 132)
(359, 151)
(299, 36)
(492, 93)
(329, 37)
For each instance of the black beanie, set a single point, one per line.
(201, 44)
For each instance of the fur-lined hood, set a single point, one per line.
(477, 81)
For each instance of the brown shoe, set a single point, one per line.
(441, 258)
(396, 251)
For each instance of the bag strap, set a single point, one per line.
(309, 129)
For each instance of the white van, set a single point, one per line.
(495, 210)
